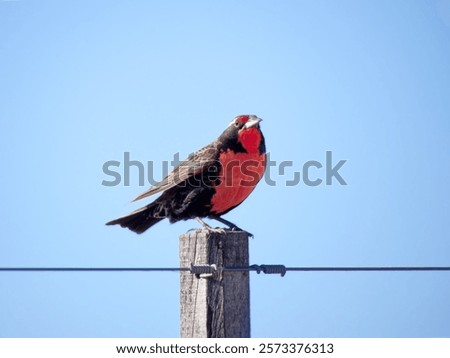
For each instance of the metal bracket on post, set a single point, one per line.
(203, 271)
(270, 269)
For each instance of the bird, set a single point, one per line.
(209, 183)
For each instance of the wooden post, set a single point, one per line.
(217, 306)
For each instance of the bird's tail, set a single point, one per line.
(139, 220)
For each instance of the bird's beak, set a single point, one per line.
(252, 121)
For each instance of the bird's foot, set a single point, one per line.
(231, 226)
(250, 235)
(220, 230)
(217, 230)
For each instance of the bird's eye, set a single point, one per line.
(236, 124)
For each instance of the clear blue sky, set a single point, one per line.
(82, 82)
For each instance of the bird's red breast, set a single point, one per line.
(250, 139)
(240, 172)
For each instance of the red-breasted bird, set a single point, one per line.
(210, 182)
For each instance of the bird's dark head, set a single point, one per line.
(244, 133)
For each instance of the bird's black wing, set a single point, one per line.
(194, 164)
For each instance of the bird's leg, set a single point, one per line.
(227, 223)
(232, 226)
(209, 228)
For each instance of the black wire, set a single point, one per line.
(432, 268)
(94, 269)
(242, 268)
